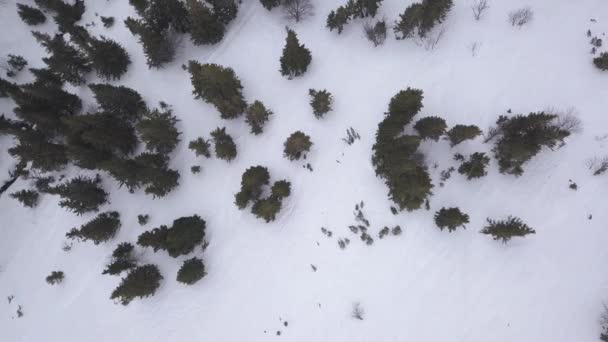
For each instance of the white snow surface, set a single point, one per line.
(424, 285)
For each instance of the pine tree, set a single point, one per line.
(365, 8)
(185, 234)
(219, 86)
(336, 20)
(103, 132)
(225, 148)
(410, 188)
(46, 77)
(70, 64)
(108, 58)
(162, 15)
(256, 116)
(321, 102)
(450, 218)
(460, 133)
(475, 167)
(504, 230)
(270, 4)
(296, 146)
(420, 18)
(295, 58)
(602, 61)
(28, 198)
(281, 189)
(224, 10)
(139, 5)
(252, 182)
(205, 27)
(201, 147)
(192, 270)
(155, 238)
(56, 277)
(15, 63)
(157, 129)
(267, 208)
(7, 88)
(141, 282)
(159, 46)
(409, 21)
(31, 15)
(33, 146)
(431, 127)
(119, 101)
(81, 194)
(122, 259)
(164, 181)
(100, 229)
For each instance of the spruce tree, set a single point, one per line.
(192, 270)
(164, 181)
(65, 60)
(450, 218)
(122, 259)
(119, 101)
(157, 129)
(185, 234)
(103, 132)
(46, 77)
(100, 229)
(295, 58)
(201, 147)
(504, 230)
(321, 102)
(28, 198)
(81, 194)
(460, 133)
(267, 208)
(33, 146)
(155, 238)
(256, 116)
(205, 27)
(252, 182)
(602, 61)
(475, 167)
(7, 88)
(31, 15)
(219, 86)
(409, 21)
(281, 189)
(410, 188)
(225, 148)
(336, 20)
(67, 14)
(159, 46)
(296, 146)
(162, 15)
(431, 127)
(141, 282)
(224, 10)
(108, 58)
(420, 18)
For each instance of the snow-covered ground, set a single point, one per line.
(424, 285)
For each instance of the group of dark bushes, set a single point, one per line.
(254, 184)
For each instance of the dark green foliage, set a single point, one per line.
(30, 15)
(100, 229)
(159, 46)
(195, 169)
(475, 167)
(43, 184)
(321, 102)
(65, 60)
(602, 61)
(364, 8)
(28, 198)
(107, 21)
(108, 58)
(338, 18)
(15, 63)
(450, 218)
(252, 182)
(180, 239)
(431, 127)
(55, 277)
(139, 5)
(102, 132)
(162, 15)
(140, 282)
(122, 259)
(119, 101)
(522, 137)
(296, 146)
(8, 126)
(267, 208)
(66, 15)
(460, 133)
(33, 146)
(295, 58)
(46, 77)
(504, 230)
(201, 147)
(375, 33)
(420, 18)
(256, 116)
(7, 88)
(157, 129)
(281, 189)
(205, 26)
(224, 10)
(270, 4)
(81, 194)
(192, 270)
(143, 219)
(225, 148)
(219, 86)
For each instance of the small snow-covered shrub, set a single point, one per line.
(55, 277)
(201, 147)
(602, 61)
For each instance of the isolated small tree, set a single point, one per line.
(192, 270)
(256, 116)
(108, 58)
(475, 167)
(297, 9)
(157, 129)
(431, 127)
(602, 61)
(450, 218)
(296, 146)
(295, 58)
(205, 27)
(219, 86)
(504, 230)
(252, 181)
(460, 133)
(267, 208)
(31, 15)
(270, 4)
(107, 21)
(141, 282)
(56, 277)
(100, 229)
(201, 147)
(122, 259)
(120, 101)
(28, 198)
(376, 32)
(321, 102)
(336, 20)
(225, 148)
(479, 7)
(281, 189)
(521, 16)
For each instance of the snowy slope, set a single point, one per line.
(424, 285)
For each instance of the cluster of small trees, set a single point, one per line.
(253, 183)
(181, 238)
(338, 18)
(420, 18)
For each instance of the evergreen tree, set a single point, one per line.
(224, 10)
(504, 230)
(192, 270)
(28, 198)
(7, 88)
(201, 147)
(420, 18)
(409, 21)
(295, 58)
(81, 194)
(140, 282)
(475, 167)
(122, 259)
(119, 101)
(185, 234)
(157, 129)
(296, 146)
(270, 4)
(365, 8)
(100, 229)
(602, 61)
(219, 86)
(281, 189)
(267, 208)
(46, 77)
(31, 15)
(15, 63)
(410, 188)
(205, 27)
(165, 181)
(159, 46)
(460, 133)
(252, 182)
(256, 116)
(450, 218)
(336, 20)
(321, 102)
(55, 277)
(103, 132)
(68, 14)
(108, 58)
(33, 146)
(431, 127)
(70, 64)
(139, 5)
(155, 238)
(107, 21)
(162, 15)
(225, 148)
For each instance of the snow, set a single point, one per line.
(424, 285)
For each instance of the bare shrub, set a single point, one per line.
(598, 165)
(430, 42)
(357, 311)
(375, 33)
(297, 9)
(520, 17)
(566, 119)
(479, 6)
